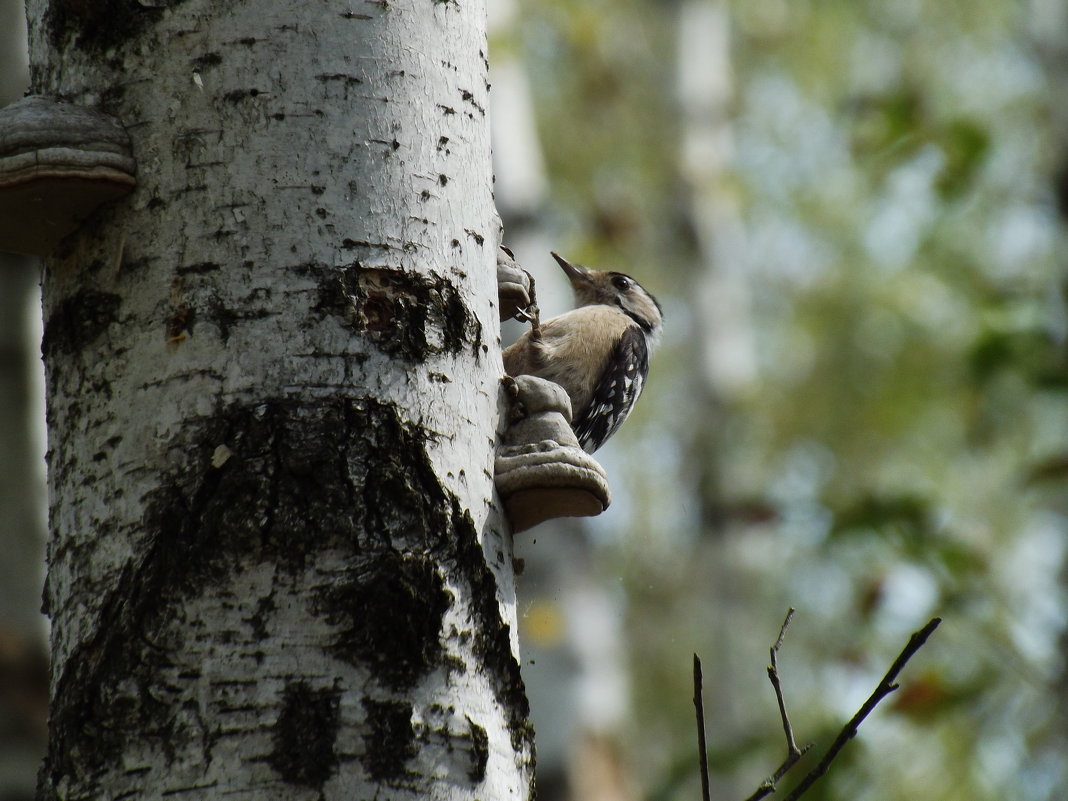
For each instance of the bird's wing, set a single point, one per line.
(615, 394)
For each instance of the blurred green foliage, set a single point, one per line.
(902, 449)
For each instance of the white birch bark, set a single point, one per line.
(276, 565)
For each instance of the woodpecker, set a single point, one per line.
(598, 352)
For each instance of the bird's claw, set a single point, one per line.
(511, 389)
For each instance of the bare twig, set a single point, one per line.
(535, 311)
(699, 705)
(793, 753)
(849, 731)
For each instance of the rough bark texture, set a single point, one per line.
(276, 565)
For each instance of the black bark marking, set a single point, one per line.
(305, 733)
(237, 95)
(407, 315)
(389, 742)
(207, 61)
(225, 317)
(200, 268)
(350, 80)
(469, 97)
(79, 320)
(493, 642)
(479, 752)
(389, 616)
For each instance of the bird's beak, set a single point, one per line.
(576, 273)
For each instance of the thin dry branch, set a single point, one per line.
(849, 731)
(773, 675)
(793, 753)
(699, 705)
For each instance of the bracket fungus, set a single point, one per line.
(58, 163)
(540, 470)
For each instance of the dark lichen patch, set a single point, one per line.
(305, 734)
(407, 315)
(337, 473)
(79, 320)
(389, 616)
(346, 475)
(100, 25)
(108, 690)
(301, 477)
(258, 620)
(389, 741)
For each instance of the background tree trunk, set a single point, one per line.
(23, 651)
(275, 557)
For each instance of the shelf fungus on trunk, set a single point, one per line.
(58, 163)
(540, 470)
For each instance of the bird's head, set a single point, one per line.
(610, 288)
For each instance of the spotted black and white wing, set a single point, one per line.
(616, 392)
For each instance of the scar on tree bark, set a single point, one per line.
(793, 752)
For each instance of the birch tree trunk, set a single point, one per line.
(724, 344)
(22, 653)
(277, 569)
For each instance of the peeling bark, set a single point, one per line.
(277, 567)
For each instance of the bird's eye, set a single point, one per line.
(621, 282)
